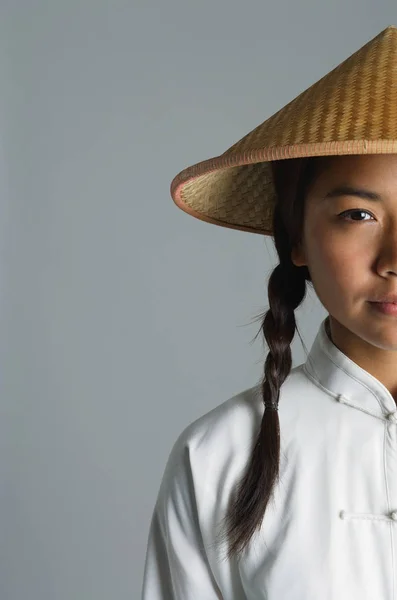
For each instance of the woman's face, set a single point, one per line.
(352, 259)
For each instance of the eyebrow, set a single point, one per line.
(346, 190)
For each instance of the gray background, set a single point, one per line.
(123, 318)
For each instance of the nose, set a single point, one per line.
(387, 258)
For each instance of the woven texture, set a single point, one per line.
(351, 110)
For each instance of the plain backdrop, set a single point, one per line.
(123, 319)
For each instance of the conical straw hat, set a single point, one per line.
(351, 110)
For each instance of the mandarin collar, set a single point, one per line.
(345, 380)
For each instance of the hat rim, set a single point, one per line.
(228, 161)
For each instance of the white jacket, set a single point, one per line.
(331, 532)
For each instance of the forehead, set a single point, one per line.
(372, 169)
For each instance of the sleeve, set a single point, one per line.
(176, 565)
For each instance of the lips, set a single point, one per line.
(386, 308)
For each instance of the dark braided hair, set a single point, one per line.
(286, 291)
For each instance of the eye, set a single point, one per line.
(354, 211)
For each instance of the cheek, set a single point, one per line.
(335, 266)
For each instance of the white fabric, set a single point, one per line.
(331, 531)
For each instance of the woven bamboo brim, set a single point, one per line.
(351, 110)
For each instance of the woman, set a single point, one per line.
(289, 489)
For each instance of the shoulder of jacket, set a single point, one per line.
(236, 420)
(225, 434)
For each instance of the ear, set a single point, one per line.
(298, 256)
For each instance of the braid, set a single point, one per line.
(286, 291)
